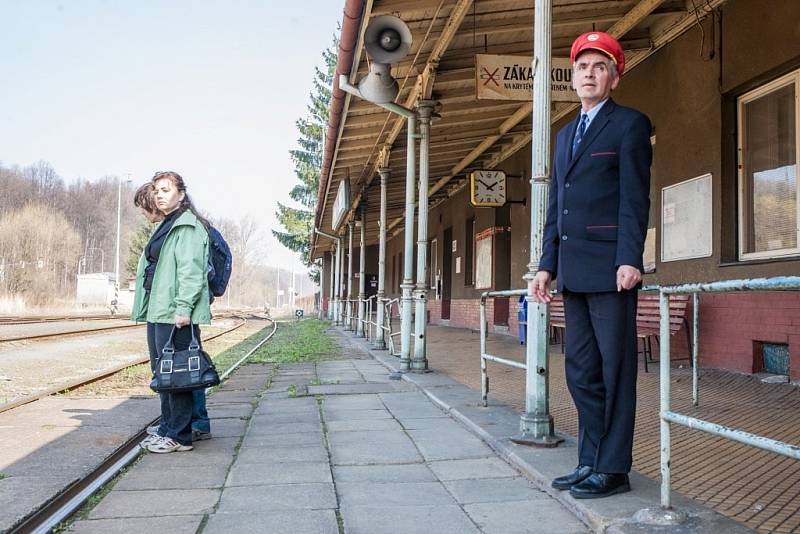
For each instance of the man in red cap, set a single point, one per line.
(593, 243)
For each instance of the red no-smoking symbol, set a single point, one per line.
(489, 76)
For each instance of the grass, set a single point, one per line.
(296, 341)
(227, 358)
(3, 475)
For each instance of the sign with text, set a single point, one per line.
(341, 204)
(511, 78)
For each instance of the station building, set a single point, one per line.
(719, 79)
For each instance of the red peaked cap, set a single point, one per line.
(602, 42)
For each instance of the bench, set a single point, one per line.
(648, 322)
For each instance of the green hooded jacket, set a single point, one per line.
(180, 283)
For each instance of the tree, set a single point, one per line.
(298, 222)
(138, 241)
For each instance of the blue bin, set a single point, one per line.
(522, 319)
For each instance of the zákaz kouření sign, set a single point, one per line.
(511, 78)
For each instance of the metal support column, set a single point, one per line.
(337, 309)
(420, 361)
(362, 260)
(408, 252)
(380, 340)
(536, 424)
(349, 305)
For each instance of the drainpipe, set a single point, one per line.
(420, 361)
(331, 284)
(408, 264)
(380, 340)
(536, 424)
(349, 305)
(362, 294)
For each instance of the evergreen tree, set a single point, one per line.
(298, 222)
(138, 242)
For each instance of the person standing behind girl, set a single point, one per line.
(172, 293)
(145, 200)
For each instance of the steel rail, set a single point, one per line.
(46, 518)
(71, 332)
(94, 377)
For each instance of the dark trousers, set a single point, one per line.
(176, 408)
(601, 372)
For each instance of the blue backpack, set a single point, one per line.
(220, 263)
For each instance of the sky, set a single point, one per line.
(210, 89)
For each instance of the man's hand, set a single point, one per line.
(181, 320)
(541, 286)
(627, 277)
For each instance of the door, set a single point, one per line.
(447, 275)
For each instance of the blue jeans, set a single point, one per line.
(200, 420)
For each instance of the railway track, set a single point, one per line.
(61, 388)
(33, 337)
(73, 496)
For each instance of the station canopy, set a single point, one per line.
(470, 133)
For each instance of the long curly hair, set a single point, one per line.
(179, 184)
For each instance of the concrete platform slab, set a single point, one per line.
(276, 455)
(177, 524)
(309, 522)
(277, 498)
(304, 439)
(392, 494)
(228, 428)
(494, 490)
(383, 473)
(363, 424)
(305, 416)
(355, 389)
(354, 402)
(434, 449)
(370, 453)
(468, 469)
(407, 519)
(155, 503)
(260, 426)
(524, 517)
(335, 414)
(250, 474)
(159, 477)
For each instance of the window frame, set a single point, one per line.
(791, 78)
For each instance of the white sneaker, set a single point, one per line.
(151, 438)
(164, 445)
(152, 430)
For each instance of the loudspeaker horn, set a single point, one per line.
(387, 39)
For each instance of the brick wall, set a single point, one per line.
(729, 326)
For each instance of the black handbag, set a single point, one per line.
(184, 370)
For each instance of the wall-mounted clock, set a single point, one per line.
(487, 188)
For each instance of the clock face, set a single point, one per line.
(488, 188)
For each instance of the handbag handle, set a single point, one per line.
(169, 346)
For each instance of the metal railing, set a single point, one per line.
(485, 356)
(350, 319)
(667, 416)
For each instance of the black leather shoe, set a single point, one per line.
(599, 485)
(567, 481)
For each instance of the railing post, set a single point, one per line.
(536, 424)
(380, 340)
(695, 348)
(408, 253)
(484, 375)
(664, 367)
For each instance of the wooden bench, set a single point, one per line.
(648, 322)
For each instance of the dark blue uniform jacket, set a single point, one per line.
(599, 200)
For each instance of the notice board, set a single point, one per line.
(686, 219)
(483, 259)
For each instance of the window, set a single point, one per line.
(469, 251)
(769, 204)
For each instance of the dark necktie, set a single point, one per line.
(576, 142)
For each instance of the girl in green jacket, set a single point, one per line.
(172, 292)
